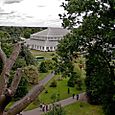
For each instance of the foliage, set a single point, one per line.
(94, 37)
(53, 83)
(31, 74)
(17, 32)
(43, 67)
(49, 64)
(99, 81)
(22, 88)
(20, 62)
(26, 54)
(56, 110)
(74, 78)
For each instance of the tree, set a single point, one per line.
(94, 35)
(6, 93)
(56, 110)
(43, 67)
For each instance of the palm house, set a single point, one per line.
(46, 40)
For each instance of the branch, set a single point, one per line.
(23, 103)
(8, 66)
(16, 81)
(2, 55)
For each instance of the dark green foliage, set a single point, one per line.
(99, 81)
(43, 67)
(26, 54)
(96, 37)
(74, 80)
(20, 62)
(49, 64)
(56, 110)
(53, 83)
(71, 82)
(22, 88)
(17, 32)
(9, 36)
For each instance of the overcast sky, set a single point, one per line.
(40, 13)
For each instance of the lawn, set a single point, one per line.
(43, 75)
(44, 54)
(61, 91)
(83, 108)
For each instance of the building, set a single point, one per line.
(46, 40)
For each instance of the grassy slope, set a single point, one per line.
(61, 89)
(82, 108)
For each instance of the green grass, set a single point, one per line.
(9, 105)
(61, 89)
(43, 75)
(44, 54)
(82, 108)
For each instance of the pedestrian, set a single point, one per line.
(77, 96)
(46, 108)
(68, 91)
(73, 95)
(43, 108)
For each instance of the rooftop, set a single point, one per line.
(51, 32)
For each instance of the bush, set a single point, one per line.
(43, 67)
(71, 83)
(32, 74)
(79, 84)
(53, 83)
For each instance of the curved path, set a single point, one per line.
(64, 102)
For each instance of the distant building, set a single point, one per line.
(46, 40)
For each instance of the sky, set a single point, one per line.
(33, 13)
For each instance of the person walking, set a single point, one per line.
(73, 95)
(47, 108)
(68, 91)
(77, 96)
(43, 108)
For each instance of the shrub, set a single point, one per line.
(71, 82)
(53, 83)
(43, 67)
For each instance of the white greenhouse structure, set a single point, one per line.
(46, 40)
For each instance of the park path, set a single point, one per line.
(63, 103)
(47, 78)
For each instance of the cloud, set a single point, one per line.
(40, 6)
(12, 1)
(6, 13)
(30, 12)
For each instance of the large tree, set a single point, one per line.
(92, 25)
(8, 91)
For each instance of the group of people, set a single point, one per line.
(45, 107)
(77, 96)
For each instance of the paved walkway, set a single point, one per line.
(63, 103)
(47, 78)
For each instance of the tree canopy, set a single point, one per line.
(92, 25)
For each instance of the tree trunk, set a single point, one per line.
(23, 103)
